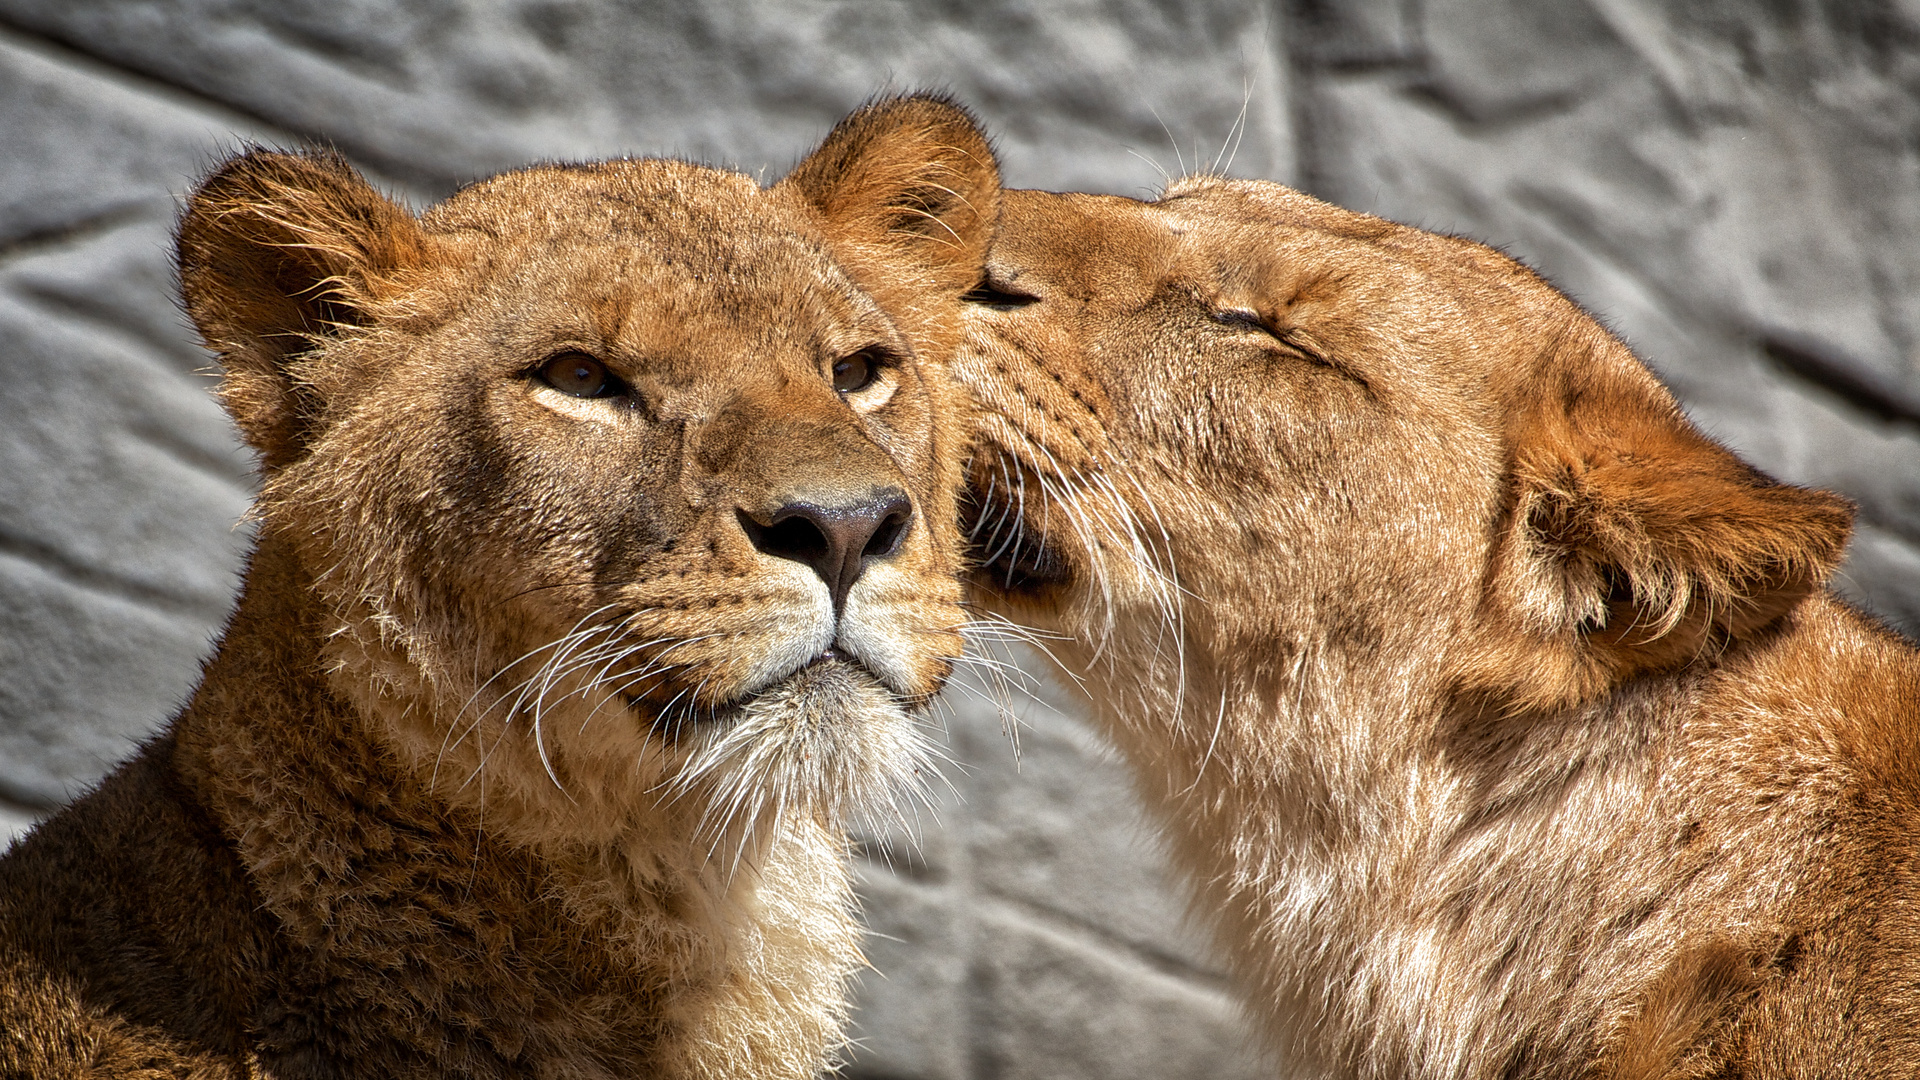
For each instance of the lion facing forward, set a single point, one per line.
(606, 565)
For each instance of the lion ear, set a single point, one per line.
(909, 195)
(279, 252)
(1635, 543)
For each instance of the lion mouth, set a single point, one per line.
(823, 682)
(833, 677)
(833, 673)
(1009, 554)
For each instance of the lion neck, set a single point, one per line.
(343, 834)
(1329, 808)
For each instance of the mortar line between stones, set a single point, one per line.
(411, 180)
(50, 559)
(1101, 940)
(70, 54)
(76, 230)
(236, 473)
(17, 801)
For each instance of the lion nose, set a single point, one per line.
(837, 541)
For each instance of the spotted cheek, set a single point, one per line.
(720, 635)
(905, 627)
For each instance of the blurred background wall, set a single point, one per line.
(1733, 185)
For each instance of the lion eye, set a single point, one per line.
(1243, 319)
(989, 293)
(852, 374)
(574, 372)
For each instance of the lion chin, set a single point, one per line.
(830, 741)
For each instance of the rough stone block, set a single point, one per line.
(1541, 56)
(1334, 33)
(120, 480)
(1058, 1008)
(913, 1014)
(81, 149)
(447, 91)
(85, 673)
(1060, 829)
(123, 470)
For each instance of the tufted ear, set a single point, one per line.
(279, 252)
(1634, 543)
(909, 194)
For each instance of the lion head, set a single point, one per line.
(619, 489)
(1239, 419)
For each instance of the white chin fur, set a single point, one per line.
(829, 741)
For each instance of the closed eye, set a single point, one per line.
(1239, 317)
(1243, 319)
(990, 293)
(1292, 341)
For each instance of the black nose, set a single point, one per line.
(836, 541)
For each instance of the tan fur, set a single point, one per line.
(527, 752)
(1499, 717)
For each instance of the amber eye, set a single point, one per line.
(574, 372)
(852, 374)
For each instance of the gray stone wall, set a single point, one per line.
(1732, 184)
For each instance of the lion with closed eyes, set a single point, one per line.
(1500, 718)
(606, 566)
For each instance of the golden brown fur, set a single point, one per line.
(606, 566)
(1500, 718)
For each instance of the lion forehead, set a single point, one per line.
(669, 277)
